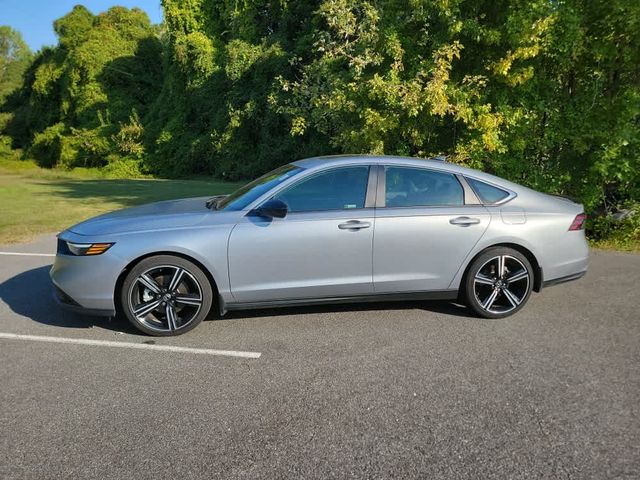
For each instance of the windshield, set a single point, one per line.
(251, 191)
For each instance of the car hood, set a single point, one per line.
(153, 216)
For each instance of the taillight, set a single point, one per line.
(578, 222)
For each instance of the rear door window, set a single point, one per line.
(420, 187)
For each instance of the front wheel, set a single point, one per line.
(498, 282)
(166, 295)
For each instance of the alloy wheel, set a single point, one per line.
(501, 284)
(165, 298)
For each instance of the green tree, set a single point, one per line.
(223, 60)
(15, 56)
(82, 99)
(542, 92)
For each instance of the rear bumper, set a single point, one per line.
(566, 278)
(565, 257)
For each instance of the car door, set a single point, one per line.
(322, 248)
(424, 229)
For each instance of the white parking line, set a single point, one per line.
(139, 346)
(21, 254)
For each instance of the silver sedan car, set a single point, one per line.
(324, 230)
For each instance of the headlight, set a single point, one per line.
(82, 249)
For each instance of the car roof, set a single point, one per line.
(327, 160)
(436, 163)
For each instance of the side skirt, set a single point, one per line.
(377, 297)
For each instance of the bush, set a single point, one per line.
(6, 152)
(620, 230)
(119, 167)
(47, 145)
(86, 148)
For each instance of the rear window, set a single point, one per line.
(487, 193)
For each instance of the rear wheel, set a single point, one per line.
(166, 295)
(498, 282)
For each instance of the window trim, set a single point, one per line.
(369, 200)
(510, 193)
(470, 197)
(381, 197)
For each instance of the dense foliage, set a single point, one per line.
(543, 92)
(15, 57)
(83, 100)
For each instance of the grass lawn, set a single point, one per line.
(35, 200)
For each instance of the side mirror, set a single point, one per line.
(273, 208)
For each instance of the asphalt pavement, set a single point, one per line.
(399, 390)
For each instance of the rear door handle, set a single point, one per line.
(353, 225)
(464, 221)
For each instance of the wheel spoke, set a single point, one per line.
(194, 300)
(149, 282)
(522, 274)
(479, 278)
(515, 301)
(172, 320)
(144, 308)
(501, 265)
(488, 303)
(175, 281)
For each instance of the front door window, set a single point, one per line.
(338, 189)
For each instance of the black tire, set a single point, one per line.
(510, 291)
(152, 281)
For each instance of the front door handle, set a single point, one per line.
(353, 225)
(464, 221)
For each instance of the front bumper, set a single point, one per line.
(87, 283)
(68, 303)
